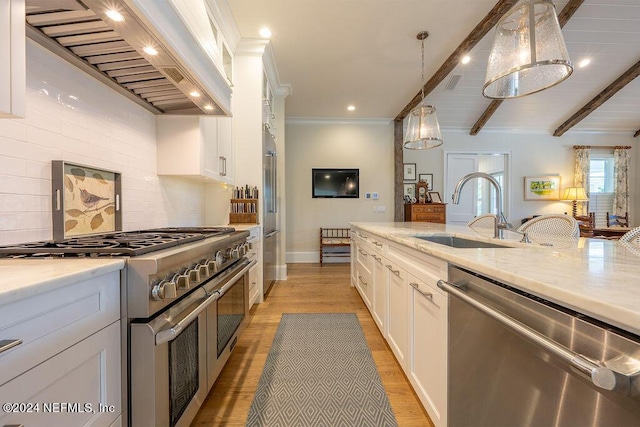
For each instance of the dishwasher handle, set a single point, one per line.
(600, 375)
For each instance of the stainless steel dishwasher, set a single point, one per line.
(517, 360)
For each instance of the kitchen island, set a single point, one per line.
(596, 277)
(431, 289)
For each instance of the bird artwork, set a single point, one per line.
(90, 200)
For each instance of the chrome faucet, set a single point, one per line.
(500, 222)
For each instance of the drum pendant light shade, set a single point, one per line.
(528, 53)
(423, 130)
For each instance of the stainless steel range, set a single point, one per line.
(185, 301)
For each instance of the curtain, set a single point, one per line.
(581, 169)
(621, 180)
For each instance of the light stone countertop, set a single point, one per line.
(596, 277)
(23, 278)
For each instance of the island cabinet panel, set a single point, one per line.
(380, 303)
(410, 311)
(398, 328)
(428, 366)
(426, 212)
(364, 282)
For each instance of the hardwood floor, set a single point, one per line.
(309, 289)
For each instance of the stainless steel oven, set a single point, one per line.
(177, 355)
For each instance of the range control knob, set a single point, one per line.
(203, 269)
(164, 290)
(194, 275)
(235, 252)
(212, 267)
(182, 281)
(219, 260)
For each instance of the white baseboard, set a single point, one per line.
(314, 258)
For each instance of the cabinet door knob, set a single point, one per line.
(417, 288)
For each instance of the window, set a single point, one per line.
(601, 185)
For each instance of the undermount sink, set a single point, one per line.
(459, 242)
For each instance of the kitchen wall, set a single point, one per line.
(72, 117)
(531, 154)
(363, 145)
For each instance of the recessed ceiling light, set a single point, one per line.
(208, 107)
(351, 108)
(584, 62)
(265, 32)
(466, 59)
(150, 50)
(194, 93)
(114, 15)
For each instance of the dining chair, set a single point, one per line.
(632, 236)
(586, 224)
(551, 225)
(618, 220)
(483, 221)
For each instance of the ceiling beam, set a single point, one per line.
(600, 99)
(487, 23)
(563, 17)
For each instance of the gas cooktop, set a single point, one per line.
(126, 243)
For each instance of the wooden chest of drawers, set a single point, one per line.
(426, 212)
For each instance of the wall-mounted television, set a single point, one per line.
(335, 183)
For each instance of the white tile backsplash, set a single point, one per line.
(71, 116)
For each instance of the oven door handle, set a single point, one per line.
(223, 290)
(172, 333)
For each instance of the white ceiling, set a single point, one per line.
(364, 52)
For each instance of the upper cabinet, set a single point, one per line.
(196, 146)
(12, 58)
(268, 111)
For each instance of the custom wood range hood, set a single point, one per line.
(112, 51)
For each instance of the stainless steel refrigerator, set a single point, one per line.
(270, 209)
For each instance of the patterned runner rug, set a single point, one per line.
(320, 372)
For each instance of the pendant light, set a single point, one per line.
(423, 130)
(528, 53)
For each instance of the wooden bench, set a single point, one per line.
(334, 242)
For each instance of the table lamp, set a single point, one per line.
(575, 194)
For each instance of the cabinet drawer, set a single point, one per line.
(427, 208)
(83, 376)
(53, 321)
(364, 259)
(428, 217)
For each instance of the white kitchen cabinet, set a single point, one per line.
(428, 328)
(398, 325)
(364, 281)
(380, 302)
(411, 313)
(78, 387)
(196, 146)
(12, 58)
(70, 353)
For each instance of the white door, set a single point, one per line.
(459, 165)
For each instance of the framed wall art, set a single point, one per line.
(428, 178)
(435, 197)
(409, 172)
(85, 200)
(410, 190)
(545, 187)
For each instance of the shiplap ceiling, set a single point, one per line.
(364, 52)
